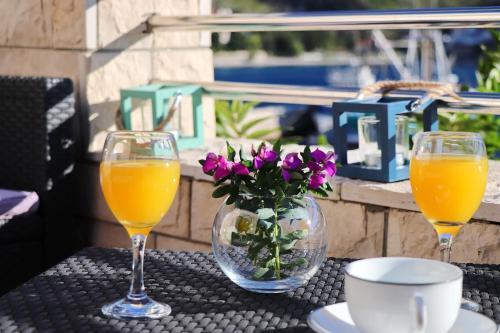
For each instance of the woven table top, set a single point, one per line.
(68, 297)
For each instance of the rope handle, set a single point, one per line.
(170, 114)
(434, 90)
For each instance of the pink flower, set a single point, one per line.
(210, 163)
(316, 181)
(240, 169)
(224, 168)
(262, 156)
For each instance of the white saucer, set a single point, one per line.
(335, 318)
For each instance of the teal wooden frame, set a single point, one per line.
(160, 94)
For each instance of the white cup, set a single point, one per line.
(403, 295)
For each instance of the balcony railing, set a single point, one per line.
(440, 18)
(445, 18)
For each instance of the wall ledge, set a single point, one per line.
(394, 195)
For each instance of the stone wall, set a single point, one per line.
(101, 46)
(365, 219)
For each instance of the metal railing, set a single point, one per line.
(480, 103)
(442, 18)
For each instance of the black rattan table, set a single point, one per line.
(68, 297)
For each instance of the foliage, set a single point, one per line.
(230, 121)
(273, 188)
(488, 74)
(488, 77)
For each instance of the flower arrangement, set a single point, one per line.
(273, 187)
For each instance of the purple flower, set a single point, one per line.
(240, 169)
(322, 157)
(323, 162)
(210, 163)
(291, 162)
(330, 168)
(286, 175)
(223, 168)
(316, 181)
(314, 167)
(262, 156)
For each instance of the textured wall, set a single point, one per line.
(99, 44)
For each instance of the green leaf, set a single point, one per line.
(221, 191)
(266, 225)
(295, 263)
(277, 146)
(248, 125)
(323, 140)
(231, 199)
(298, 213)
(231, 153)
(295, 235)
(259, 134)
(270, 263)
(254, 248)
(239, 239)
(265, 213)
(287, 245)
(260, 272)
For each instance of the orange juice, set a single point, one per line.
(139, 192)
(448, 188)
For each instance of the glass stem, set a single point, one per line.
(137, 290)
(445, 241)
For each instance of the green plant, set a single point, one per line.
(231, 121)
(273, 188)
(488, 73)
(488, 77)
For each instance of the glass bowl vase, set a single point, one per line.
(270, 245)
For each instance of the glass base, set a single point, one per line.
(144, 308)
(470, 305)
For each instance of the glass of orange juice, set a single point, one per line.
(448, 175)
(139, 175)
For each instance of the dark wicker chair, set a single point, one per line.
(38, 135)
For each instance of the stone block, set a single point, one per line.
(396, 195)
(176, 222)
(183, 65)
(104, 234)
(41, 62)
(117, 18)
(25, 23)
(354, 231)
(43, 23)
(176, 244)
(69, 23)
(121, 24)
(478, 242)
(203, 211)
(410, 235)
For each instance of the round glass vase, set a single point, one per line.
(268, 245)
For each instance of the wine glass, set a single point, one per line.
(139, 175)
(448, 174)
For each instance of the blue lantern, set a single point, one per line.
(385, 110)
